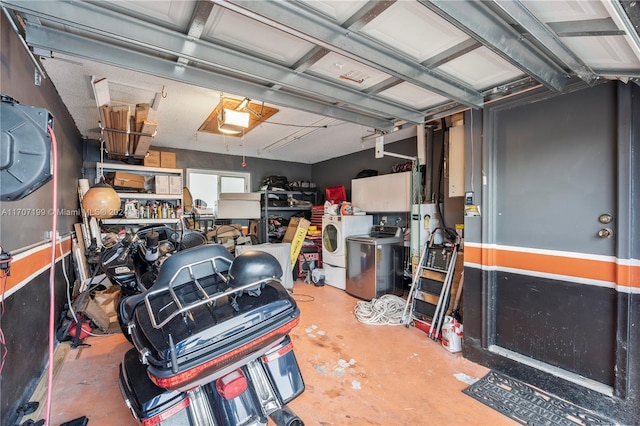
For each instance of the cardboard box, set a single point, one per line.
(162, 184)
(125, 180)
(253, 227)
(296, 232)
(168, 159)
(175, 185)
(152, 159)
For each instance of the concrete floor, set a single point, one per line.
(355, 374)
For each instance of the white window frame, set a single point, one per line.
(219, 174)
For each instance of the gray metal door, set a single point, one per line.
(551, 218)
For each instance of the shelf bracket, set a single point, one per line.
(380, 152)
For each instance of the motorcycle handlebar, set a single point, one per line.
(127, 250)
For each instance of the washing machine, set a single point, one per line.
(335, 230)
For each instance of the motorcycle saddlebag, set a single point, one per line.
(284, 373)
(147, 401)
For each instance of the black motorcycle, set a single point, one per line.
(211, 342)
(134, 261)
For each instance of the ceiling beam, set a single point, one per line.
(93, 19)
(199, 18)
(586, 28)
(303, 64)
(60, 41)
(545, 35)
(383, 85)
(452, 53)
(298, 21)
(480, 22)
(366, 14)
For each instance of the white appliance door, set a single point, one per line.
(332, 243)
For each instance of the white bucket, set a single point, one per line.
(451, 334)
(317, 275)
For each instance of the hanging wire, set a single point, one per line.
(244, 162)
(326, 126)
(52, 276)
(4, 273)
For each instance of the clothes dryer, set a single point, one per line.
(335, 230)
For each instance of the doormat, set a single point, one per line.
(528, 405)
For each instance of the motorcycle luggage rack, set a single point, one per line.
(207, 298)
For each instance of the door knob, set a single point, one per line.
(605, 233)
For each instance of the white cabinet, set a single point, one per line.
(456, 161)
(162, 186)
(383, 193)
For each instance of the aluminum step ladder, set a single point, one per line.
(439, 262)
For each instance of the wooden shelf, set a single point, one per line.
(290, 208)
(138, 169)
(148, 196)
(125, 221)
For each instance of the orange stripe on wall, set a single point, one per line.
(23, 268)
(473, 255)
(600, 270)
(629, 275)
(559, 265)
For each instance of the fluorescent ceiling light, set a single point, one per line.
(243, 104)
(233, 121)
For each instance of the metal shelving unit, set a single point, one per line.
(311, 196)
(148, 172)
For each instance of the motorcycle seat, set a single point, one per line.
(171, 272)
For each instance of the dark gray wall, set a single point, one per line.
(26, 312)
(17, 81)
(473, 170)
(334, 172)
(185, 158)
(258, 167)
(340, 171)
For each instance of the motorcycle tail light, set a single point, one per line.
(283, 350)
(232, 385)
(181, 379)
(163, 417)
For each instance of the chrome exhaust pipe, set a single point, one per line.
(285, 417)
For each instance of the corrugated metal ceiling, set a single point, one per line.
(337, 70)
